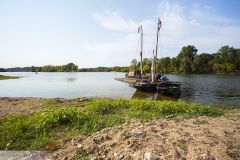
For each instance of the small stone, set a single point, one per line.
(149, 156)
(120, 157)
(64, 158)
(136, 132)
(73, 141)
(113, 144)
(153, 129)
(107, 138)
(206, 156)
(79, 146)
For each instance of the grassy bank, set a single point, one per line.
(59, 122)
(2, 77)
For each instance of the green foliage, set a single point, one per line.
(120, 69)
(134, 65)
(147, 68)
(33, 69)
(81, 155)
(185, 65)
(70, 67)
(226, 60)
(147, 61)
(150, 109)
(223, 68)
(165, 64)
(105, 69)
(37, 130)
(134, 62)
(229, 67)
(186, 57)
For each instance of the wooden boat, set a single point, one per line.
(155, 82)
(161, 86)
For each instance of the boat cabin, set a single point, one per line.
(133, 74)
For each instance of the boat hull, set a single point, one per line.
(167, 88)
(164, 87)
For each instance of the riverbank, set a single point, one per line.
(3, 77)
(119, 129)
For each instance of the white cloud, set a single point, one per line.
(198, 25)
(113, 20)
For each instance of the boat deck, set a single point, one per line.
(127, 80)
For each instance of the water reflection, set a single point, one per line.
(70, 79)
(152, 96)
(206, 89)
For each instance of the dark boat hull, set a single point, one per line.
(163, 87)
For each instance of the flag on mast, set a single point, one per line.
(159, 24)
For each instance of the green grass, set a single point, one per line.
(57, 122)
(2, 77)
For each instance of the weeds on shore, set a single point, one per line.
(37, 130)
(2, 77)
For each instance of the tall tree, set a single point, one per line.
(134, 64)
(185, 57)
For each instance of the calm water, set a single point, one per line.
(206, 89)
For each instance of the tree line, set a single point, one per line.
(225, 60)
(70, 67)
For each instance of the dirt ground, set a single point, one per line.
(25, 106)
(201, 138)
(28, 105)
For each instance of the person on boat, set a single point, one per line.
(164, 78)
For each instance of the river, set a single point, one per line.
(205, 89)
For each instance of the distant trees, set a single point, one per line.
(164, 64)
(98, 69)
(201, 63)
(226, 60)
(70, 67)
(146, 68)
(33, 69)
(120, 69)
(134, 65)
(2, 70)
(105, 69)
(186, 57)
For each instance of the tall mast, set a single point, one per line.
(153, 68)
(155, 55)
(140, 29)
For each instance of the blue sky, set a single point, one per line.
(104, 33)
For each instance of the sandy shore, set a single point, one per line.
(202, 138)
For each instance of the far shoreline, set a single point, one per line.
(180, 73)
(4, 77)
